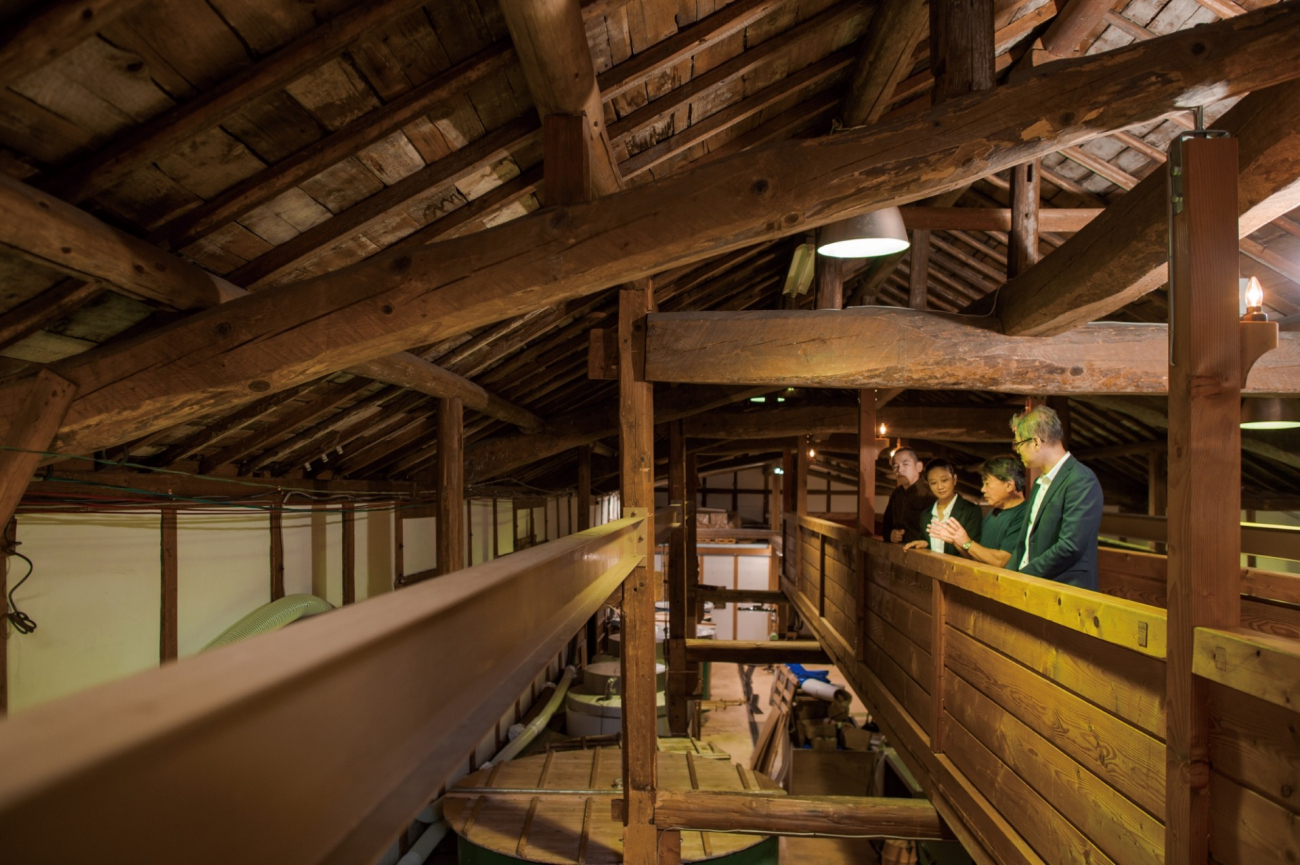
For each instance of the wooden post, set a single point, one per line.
(692, 558)
(399, 545)
(1022, 242)
(277, 548)
(961, 47)
(920, 269)
(7, 543)
(830, 282)
(565, 163)
(636, 458)
(168, 637)
(789, 480)
(1204, 466)
(41, 401)
(801, 476)
(867, 456)
(350, 554)
(1158, 488)
(678, 715)
(584, 487)
(451, 485)
(867, 452)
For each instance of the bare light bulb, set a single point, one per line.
(1254, 294)
(812, 453)
(882, 429)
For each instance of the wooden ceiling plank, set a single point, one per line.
(330, 150)
(732, 70)
(688, 41)
(884, 60)
(1122, 254)
(419, 375)
(815, 75)
(61, 299)
(950, 423)
(279, 339)
(220, 427)
(885, 347)
(496, 145)
(169, 131)
(52, 31)
(1050, 219)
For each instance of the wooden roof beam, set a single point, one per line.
(551, 41)
(1122, 254)
(496, 456)
(41, 228)
(952, 423)
(169, 131)
(884, 59)
(885, 347)
(277, 339)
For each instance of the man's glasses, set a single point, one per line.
(1015, 446)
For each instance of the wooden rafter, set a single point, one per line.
(281, 338)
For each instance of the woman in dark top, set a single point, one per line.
(941, 475)
(1004, 489)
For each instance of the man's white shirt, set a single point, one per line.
(1044, 481)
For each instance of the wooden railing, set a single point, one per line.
(1270, 600)
(314, 743)
(1257, 539)
(1033, 713)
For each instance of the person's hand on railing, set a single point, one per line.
(949, 531)
(896, 536)
(917, 545)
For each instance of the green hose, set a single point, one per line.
(271, 617)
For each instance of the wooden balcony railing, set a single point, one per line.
(1033, 712)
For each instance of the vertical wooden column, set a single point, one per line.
(867, 453)
(566, 165)
(43, 399)
(8, 541)
(678, 714)
(692, 557)
(1158, 488)
(1204, 467)
(803, 463)
(451, 485)
(399, 546)
(636, 459)
(277, 548)
(1022, 242)
(830, 282)
(917, 296)
(350, 554)
(961, 47)
(584, 487)
(789, 480)
(168, 615)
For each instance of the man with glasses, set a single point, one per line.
(1060, 537)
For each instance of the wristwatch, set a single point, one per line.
(965, 548)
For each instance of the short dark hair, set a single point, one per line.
(941, 464)
(911, 451)
(1005, 468)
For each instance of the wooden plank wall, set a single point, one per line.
(1269, 598)
(1050, 699)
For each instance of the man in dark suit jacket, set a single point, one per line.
(1064, 509)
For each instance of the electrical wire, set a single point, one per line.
(22, 623)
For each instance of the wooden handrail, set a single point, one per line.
(1262, 665)
(1257, 539)
(666, 519)
(1139, 627)
(843, 534)
(839, 816)
(389, 694)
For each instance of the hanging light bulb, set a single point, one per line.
(866, 235)
(882, 430)
(812, 453)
